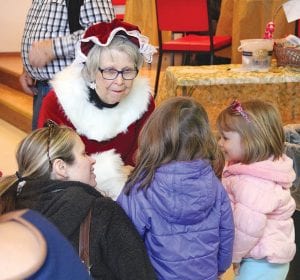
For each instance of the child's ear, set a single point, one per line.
(59, 170)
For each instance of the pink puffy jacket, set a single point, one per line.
(262, 208)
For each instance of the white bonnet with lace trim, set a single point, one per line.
(102, 33)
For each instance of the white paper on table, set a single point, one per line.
(292, 10)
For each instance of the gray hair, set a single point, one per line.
(119, 43)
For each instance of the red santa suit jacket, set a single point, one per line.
(109, 134)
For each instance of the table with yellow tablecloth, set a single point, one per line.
(247, 19)
(215, 86)
(143, 14)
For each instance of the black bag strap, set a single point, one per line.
(73, 14)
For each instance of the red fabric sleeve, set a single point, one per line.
(51, 109)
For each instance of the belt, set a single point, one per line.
(41, 82)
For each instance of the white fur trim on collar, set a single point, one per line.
(111, 175)
(94, 123)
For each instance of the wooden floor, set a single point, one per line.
(12, 62)
(10, 136)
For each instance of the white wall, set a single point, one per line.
(12, 20)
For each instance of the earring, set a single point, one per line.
(92, 85)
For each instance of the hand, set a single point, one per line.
(41, 53)
(236, 268)
(127, 169)
(26, 82)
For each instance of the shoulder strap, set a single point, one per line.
(73, 14)
(84, 240)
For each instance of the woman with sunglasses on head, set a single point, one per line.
(258, 176)
(56, 178)
(101, 97)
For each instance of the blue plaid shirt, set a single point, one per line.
(49, 19)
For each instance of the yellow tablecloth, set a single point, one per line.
(143, 14)
(216, 86)
(247, 19)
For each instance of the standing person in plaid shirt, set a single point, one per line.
(48, 45)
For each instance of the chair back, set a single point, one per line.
(182, 16)
(190, 25)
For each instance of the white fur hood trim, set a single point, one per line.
(94, 123)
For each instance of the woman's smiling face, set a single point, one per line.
(113, 91)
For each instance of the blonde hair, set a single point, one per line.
(177, 130)
(35, 155)
(261, 134)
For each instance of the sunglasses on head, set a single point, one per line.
(50, 125)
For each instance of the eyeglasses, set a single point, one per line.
(50, 125)
(111, 73)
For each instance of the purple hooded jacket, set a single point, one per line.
(185, 220)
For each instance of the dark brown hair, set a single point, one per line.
(177, 130)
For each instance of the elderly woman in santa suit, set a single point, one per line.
(101, 96)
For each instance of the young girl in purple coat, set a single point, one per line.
(174, 197)
(258, 176)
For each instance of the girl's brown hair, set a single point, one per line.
(261, 129)
(177, 130)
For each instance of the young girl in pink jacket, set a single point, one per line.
(258, 177)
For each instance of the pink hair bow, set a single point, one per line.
(236, 107)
